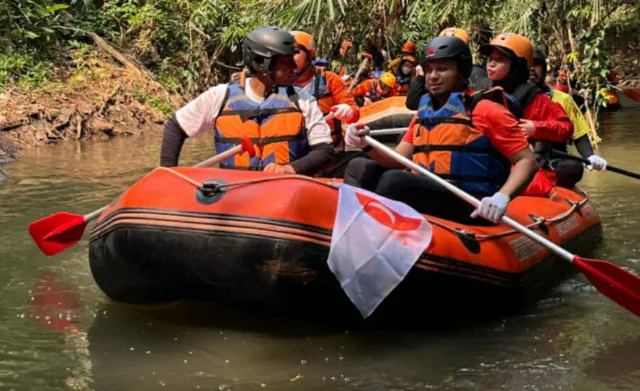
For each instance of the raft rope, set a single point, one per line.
(538, 221)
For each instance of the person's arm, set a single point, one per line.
(190, 121)
(523, 170)
(555, 125)
(172, 141)
(583, 145)
(501, 127)
(361, 89)
(321, 152)
(341, 96)
(320, 156)
(416, 90)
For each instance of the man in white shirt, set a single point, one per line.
(283, 121)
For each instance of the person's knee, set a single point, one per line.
(575, 167)
(568, 172)
(360, 171)
(394, 182)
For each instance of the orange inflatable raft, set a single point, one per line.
(387, 113)
(261, 241)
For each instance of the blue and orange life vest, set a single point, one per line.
(276, 127)
(446, 143)
(402, 84)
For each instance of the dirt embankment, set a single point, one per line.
(93, 98)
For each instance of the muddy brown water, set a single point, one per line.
(59, 331)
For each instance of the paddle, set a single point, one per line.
(362, 67)
(555, 152)
(387, 132)
(59, 231)
(611, 280)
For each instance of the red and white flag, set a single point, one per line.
(374, 244)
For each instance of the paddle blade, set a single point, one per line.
(57, 232)
(632, 94)
(612, 281)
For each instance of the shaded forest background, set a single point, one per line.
(171, 50)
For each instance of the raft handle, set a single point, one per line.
(211, 191)
(575, 205)
(540, 222)
(210, 188)
(468, 239)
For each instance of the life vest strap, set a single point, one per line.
(445, 120)
(256, 113)
(261, 140)
(452, 148)
(232, 167)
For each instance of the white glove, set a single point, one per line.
(354, 136)
(343, 112)
(419, 71)
(492, 208)
(597, 163)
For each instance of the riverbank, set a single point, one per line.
(102, 94)
(93, 98)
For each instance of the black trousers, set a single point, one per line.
(340, 163)
(568, 172)
(419, 192)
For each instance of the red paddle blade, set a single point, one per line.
(632, 94)
(57, 232)
(612, 281)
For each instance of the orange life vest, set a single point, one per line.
(276, 127)
(446, 143)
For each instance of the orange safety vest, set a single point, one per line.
(446, 143)
(276, 127)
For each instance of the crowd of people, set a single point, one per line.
(491, 130)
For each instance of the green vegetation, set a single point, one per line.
(190, 44)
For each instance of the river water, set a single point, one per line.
(59, 331)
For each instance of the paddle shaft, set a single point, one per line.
(363, 65)
(585, 161)
(566, 255)
(221, 156)
(387, 132)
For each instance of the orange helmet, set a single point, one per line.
(455, 32)
(411, 59)
(306, 42)
(388, 80)
(409, 48)
(514, 45)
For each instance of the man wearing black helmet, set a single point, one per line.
(468, 138)
(283, 121)
(568, 172)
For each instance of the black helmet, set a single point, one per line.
(265, 43)
(539, 58)
(453, 48)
